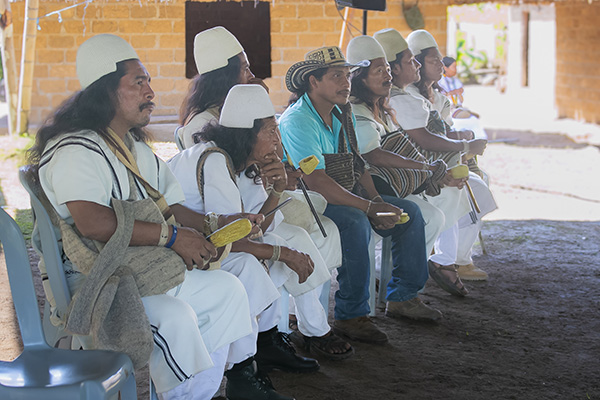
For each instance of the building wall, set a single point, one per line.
(577, 60)
(157, 31)
(541, 74)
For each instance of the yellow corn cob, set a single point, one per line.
(460, 171)
(404, 218)
(233, 231)
(308, 164)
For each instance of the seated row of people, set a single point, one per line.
(376, 161)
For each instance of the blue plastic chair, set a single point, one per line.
(44, 372)
(51, 255)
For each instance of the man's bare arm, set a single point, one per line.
(99, 222)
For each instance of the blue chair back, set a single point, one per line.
(48, 239)
(21, 283)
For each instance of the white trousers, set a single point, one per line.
(204, 385)
(208, 311)
(434, 219)
(262, 293)
(454, 245)
(312, 318)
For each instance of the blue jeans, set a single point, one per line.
(409, 272)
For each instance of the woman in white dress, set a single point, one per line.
(423, 45)
(226, 170)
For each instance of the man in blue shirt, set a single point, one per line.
(320, 123)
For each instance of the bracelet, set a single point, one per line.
(276, 193)
(276, 253)
(466, 146)
(164, 234)
(173, 237)
(368, 207)
(377, 197)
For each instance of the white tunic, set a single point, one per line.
(196, 124)
(222, 196)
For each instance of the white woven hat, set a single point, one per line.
(420, 40)
(213, 48)
(392, 42)
(244, 104)
(98, 56)
(364, 48)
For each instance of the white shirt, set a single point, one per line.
(369, 132)
(80, 167)
(196, 124)
(411, 111)
(440, 103)
(221, 194)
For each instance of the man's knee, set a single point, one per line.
(348, 219)
(409, 207)
(165, 310)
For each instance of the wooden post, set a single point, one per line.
(27, 65)
(348, 17)
(9, 65)
(525, 50)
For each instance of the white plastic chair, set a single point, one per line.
(375, 297)
(177, 138)
(41, 371)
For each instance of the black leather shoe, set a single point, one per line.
(275, 351)
(245, 383)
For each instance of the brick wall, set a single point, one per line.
(156, 31)
(577, 60)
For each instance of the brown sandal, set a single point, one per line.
(292, 322)
(323, 346)
(456, 288)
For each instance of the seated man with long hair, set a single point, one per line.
(127, 238)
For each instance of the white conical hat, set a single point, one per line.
(244, 104)
(213, 48)
(363, 48)
(392, 42)
(98, 56)
(420, 40)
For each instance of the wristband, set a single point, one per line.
(173, 237)
(368, 207)
(276, 253)
(164, 234)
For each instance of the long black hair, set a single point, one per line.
(92, 108)
(210, 89)
(296, 94)
(426, 91)
(237, 142)
(360, 93)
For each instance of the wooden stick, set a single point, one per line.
(472, 197)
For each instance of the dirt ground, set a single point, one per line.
(532, 331)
